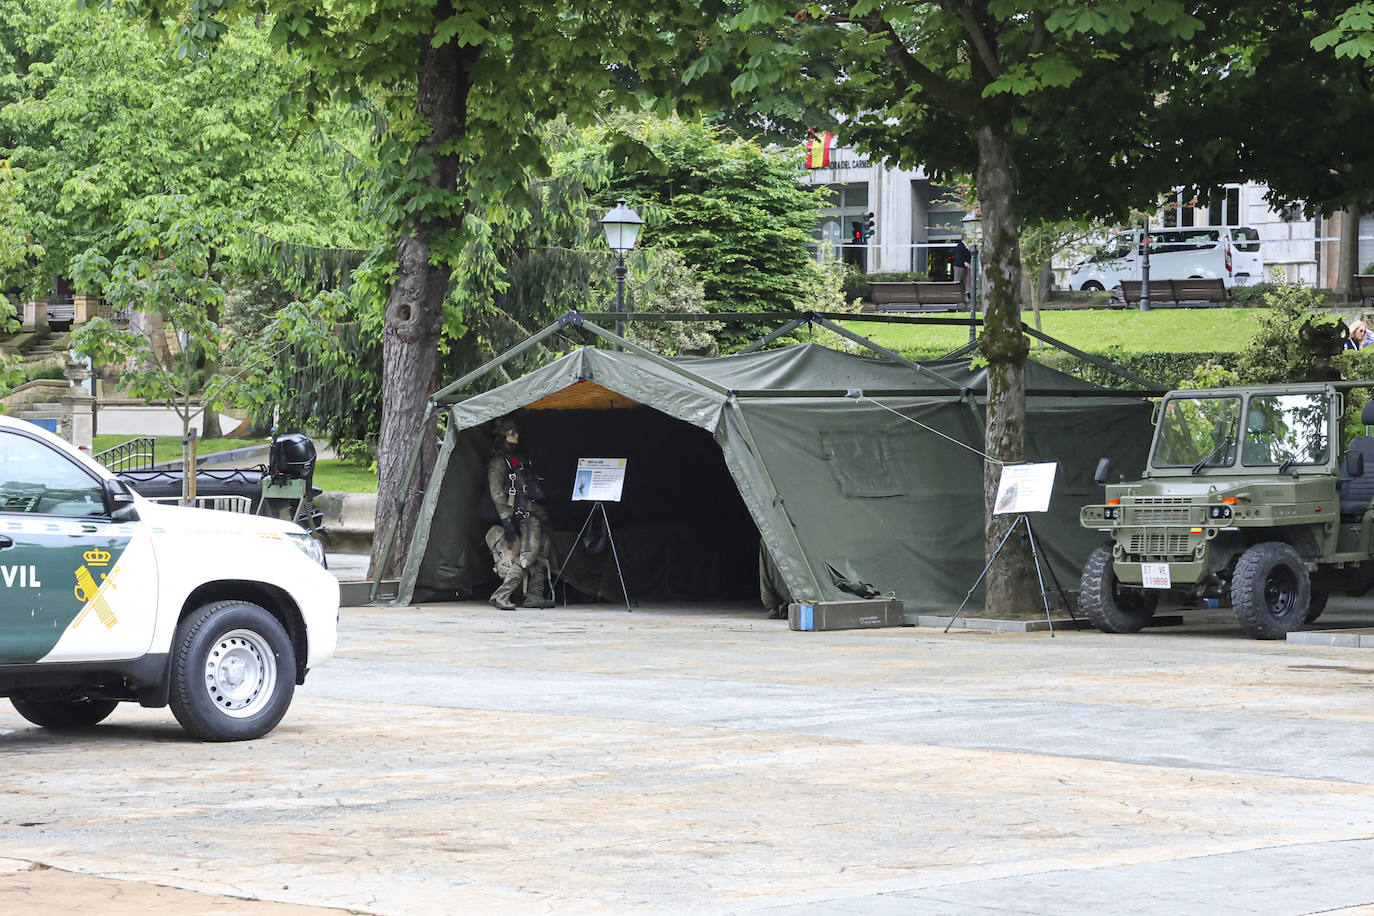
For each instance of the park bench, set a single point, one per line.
(61, 315)
(1363, 288)
(918, 296)
(1194, 291)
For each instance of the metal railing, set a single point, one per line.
(133, 455)
(241, 504)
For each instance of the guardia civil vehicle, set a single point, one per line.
(1246, 501)
(106, 597)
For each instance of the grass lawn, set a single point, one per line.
(1159, 330)
(334, 475)
(168, 448)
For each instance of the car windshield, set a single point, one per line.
(1285, 429)
(1197, 433)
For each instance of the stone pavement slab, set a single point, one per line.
(455, 758)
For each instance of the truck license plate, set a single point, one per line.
(1155, 575)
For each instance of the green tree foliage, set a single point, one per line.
(734, 210)
(103, 122)
(169, 276)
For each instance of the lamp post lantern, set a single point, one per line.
(622, 227)
(973, 231)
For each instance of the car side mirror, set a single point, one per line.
(119, 501)
(1354, 464)
(1104, 466)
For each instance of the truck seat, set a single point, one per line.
(1356, 492)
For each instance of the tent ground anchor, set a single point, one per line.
(1035, 556)
(597, 505)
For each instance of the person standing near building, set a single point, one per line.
(520, 553)
(1359, 336)
(962, 259)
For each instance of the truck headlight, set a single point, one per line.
(1219, 511)
(308, 545)
(1110, 512)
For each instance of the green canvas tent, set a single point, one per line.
(838, 468)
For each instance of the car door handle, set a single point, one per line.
(5, 542)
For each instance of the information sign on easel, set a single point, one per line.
(1025, 488)
(599, 479)
(1022, 488)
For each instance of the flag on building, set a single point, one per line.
(818, 149)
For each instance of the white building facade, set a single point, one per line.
(915, 222)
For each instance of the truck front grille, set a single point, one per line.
(1153, 515)
(1158, 545)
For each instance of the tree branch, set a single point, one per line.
(1041, 36)
(976, 35)
(942, 90)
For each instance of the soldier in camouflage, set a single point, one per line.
(519, 545)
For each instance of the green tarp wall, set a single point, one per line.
(808, 450)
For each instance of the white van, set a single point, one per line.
(1227, 253)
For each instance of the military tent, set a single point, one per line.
(840, 469)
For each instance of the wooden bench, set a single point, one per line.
(61, 315)
(918, 296)
(1196, 291)
(1363, 289)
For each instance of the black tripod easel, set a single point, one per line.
(597, 506)
(1035, 555)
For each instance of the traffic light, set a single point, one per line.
(856, 231)
(870, 227)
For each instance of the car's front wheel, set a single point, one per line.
(1092, 286)
(67, 712)
(233, 672)
(1111, 606)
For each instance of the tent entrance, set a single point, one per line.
(681, 529)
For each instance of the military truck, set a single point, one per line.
(1246, 502)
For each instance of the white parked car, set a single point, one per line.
(106, 597)
(1228, 253)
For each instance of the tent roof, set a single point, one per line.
(695, 388)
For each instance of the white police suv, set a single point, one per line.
(107, 597)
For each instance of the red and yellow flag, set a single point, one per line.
(818, 149)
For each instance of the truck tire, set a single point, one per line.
(1316, 605)
(1110, 606)
(233, 672)
(69, 712)
(1270, 590)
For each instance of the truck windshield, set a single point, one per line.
(1197, 433)
(1285, 429)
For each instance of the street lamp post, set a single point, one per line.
(973, 232)
(1145, 267)
(622, 227)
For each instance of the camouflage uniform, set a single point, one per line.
(523, 564)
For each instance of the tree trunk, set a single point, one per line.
(1348, 263)
(1011, 581)
(414, 309)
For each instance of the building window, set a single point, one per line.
(848, 204)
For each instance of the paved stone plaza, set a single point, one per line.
(455, 758)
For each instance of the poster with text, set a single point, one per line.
(1025, 488)
(599, 479)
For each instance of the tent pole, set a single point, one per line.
(777, 497)
(401, 501)
(1097, 361)
(514, 351)
(785, 329)
(890, 354)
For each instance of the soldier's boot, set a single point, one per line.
(501, 598)
(537, 591)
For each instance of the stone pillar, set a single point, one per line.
(77, 425)
(35, 315)
(86, 308)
